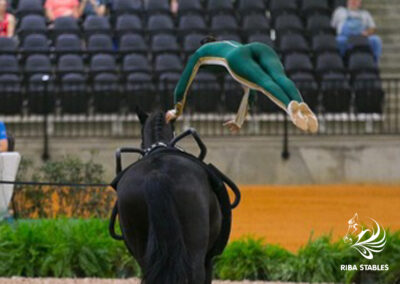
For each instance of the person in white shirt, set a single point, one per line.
(353, 21)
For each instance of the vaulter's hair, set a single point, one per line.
(207, 39)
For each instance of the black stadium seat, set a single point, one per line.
(290, 43)
(263, 38)
(164, 43)
(10, 94)
(224, 23)
(128, 24)
(288, 22)
(319, 23)
(362, 62)
(280, 6)
(298, 62)
(192, 23)
(368, 93)
(100, 43)
(250, 6)
(35, 43)
(70, 63)
(329, 62)
(190, 7)
(136, 63)
(140, 91)
(65, 25)
(228, 36)
(38, 63)
(32, 24)
(308, 87)
(167, 63)
(324, 43)
(107, 95)
(205, 94)
(120, 7)
(8, 45)
(157, 6)
(96, 24)
(256, 23)
(133, 43)
(314, 6)
(192, 42)
(68, 43)
(10, 85)
(220, 6)
(103, 63)
(29, 7)
(73, 95)
(160, 24)
(336, 92)
(8, 64)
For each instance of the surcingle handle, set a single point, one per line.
(118, 154)
(193, 132)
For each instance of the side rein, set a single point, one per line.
(170, 145)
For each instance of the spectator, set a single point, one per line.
(7, 21)
(3, 138)
(93, 7)
(174, 6)
(353, 21)
(61, 8)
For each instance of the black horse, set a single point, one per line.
(169, 215)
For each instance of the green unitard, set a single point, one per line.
(255, 65)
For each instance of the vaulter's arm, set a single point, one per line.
(182, 88)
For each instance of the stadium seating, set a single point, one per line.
(150, 46)
(29, 7)
(133, 43)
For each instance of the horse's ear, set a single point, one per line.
(141, 115)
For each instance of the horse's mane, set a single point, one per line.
(157, 123)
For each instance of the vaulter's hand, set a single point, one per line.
(232, 125)
(170, 115)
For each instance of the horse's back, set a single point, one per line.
(188, 184)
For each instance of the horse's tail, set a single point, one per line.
(166, 258)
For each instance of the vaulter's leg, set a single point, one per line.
(250, 74)
(297, 108)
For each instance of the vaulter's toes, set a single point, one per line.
(296, 116)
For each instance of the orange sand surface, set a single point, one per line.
(287, 215)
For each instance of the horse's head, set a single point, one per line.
(154, 128)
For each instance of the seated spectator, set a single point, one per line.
(61, 8)
(93, 7)
(353, 21)
(3, 138)
(7, 21)
(174, 6)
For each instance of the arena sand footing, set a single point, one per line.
(287, 215)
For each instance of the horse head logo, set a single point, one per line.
(367, 241)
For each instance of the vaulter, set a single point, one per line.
(255, 66)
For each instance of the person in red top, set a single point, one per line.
(7, 21)
(61, 8)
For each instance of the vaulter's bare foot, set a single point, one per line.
(312, 121)
(296, 116)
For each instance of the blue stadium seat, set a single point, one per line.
(324, 43)
(10, 94)
(68, 43)
(319, 24)
(308, 87)
(191, 7)
(251, 6)
(256, 23)
(329, 62)
(70, 63)
(192, 42)
(8, 45)
(32, 24)
(160, 24)
(73, 93)
(96, 24)
(220, 6)
(134, 63)
(298, 62)
(260, 37)
(309, 7)
(191, 24)
(282, 6)
(140, 91)
(164, 43)
(288, 23)
(205, 94)
(224, 23)
(157, 6)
